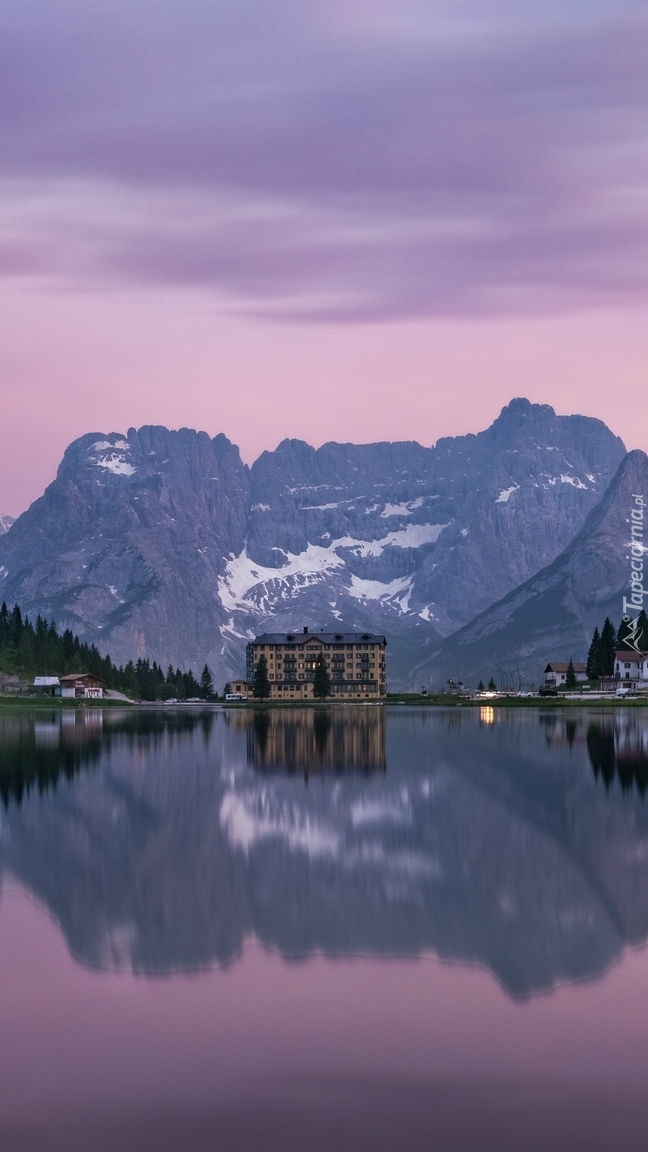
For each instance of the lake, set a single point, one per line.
(346, 927)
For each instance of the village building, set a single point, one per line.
(81, 685)
(355, 661)
(239, 690)
(556, 673)
(47, 685)
(631, 669)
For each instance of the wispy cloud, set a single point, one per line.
(330, 161)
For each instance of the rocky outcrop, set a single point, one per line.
(164, 544)
(5, 524)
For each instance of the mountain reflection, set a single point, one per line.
(334, 830)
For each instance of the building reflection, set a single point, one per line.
(322, 740)
(618, 749)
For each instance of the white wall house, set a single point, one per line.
(631, 668)
(556, 672)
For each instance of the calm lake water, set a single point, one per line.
(323, 929)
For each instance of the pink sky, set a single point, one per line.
(318, 221)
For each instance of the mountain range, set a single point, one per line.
(165, 544)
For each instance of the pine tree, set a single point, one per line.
(261, 686)
(607, 649)
(492, 686)
(15, 626)
(594, 656)
(321, 679)
(570, 680)
(480, 686)
(129, 684)
(206, 683)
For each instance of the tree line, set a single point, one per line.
(606, 642)
(39, 649)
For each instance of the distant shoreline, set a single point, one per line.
(404, 700)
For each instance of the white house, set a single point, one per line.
(631, 668)
(556, 672)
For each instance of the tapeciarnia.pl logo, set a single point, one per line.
(633, 604)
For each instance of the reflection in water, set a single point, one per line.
(618, 746)
(336, 830)
(36, 749)
(317, 740)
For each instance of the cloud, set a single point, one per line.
(327, 161)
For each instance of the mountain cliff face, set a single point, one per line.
(5, 524)
(552, 616)
(165, 544)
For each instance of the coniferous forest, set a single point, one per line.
(39, 649)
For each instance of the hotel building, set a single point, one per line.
(356, 663)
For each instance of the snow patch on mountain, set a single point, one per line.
(377, 590)
(110, 456)
(243, 575)
(506, 493)
(565, 479)
(405, 508)
(573, 480)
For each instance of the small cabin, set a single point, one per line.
(47, 686)
(239, 690)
